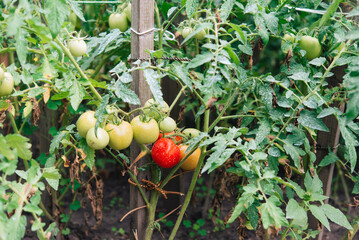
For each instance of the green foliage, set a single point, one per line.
(260, 119)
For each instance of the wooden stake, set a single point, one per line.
(142, 21)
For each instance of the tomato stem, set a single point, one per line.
(82, 74)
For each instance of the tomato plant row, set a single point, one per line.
(262, 77)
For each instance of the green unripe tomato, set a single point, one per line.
(77, 47)
(120, 135)
(118, 20)
(288, 38)
(186, 31)
(155, 113)
(167, 125)
(191, 132)
(201, 35)
(6, 84)
(99, 142)
(2, 73)
(145, 132)
(128, 12)
(312, 47)
(85, 122)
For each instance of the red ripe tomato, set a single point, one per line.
(178, 139)
(166, 153)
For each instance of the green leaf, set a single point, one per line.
(75, 7)
(308, 119)
(329, 159)
(232, 55)
(200, 59)
(21, 45)
(56, 13)
(243, 202)
(218, 157)
(253, 216)
(318, 61)
(101, 111)
(226, 9)
(266, 93)
(5, 149)
(153, 81)
(56, 141)
(271, 21)
(336, 216)
(90, 153)
(297, 213)
(271, 214)
(77, 93)
(14, 23)
(246, 49)
(125, 94)
(21, 144)
(238, 29)
(16, 226)
(263, 131)
(191, 6)
(31, 208)
(293, 153)
(182, 74)
(350, 143)
(319, 214)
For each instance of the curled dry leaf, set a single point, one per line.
(35, 112)
(47, 92)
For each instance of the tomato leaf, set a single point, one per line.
(56, 14)
(320, 215)
(76, 9)
(76, 94)
(336, 216)
(226, 9)
(21, 144)
(297, 213)
(191, 7)
(271, 214)
(200, 59)
(152, 79)
(90, 153)
(127, 95)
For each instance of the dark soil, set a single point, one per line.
(116, 205)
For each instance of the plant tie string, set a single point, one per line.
(152, 186)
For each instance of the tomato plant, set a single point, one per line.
(144, 132)
(263, 123)
(165, 153)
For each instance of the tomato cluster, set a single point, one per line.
(152, 127)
